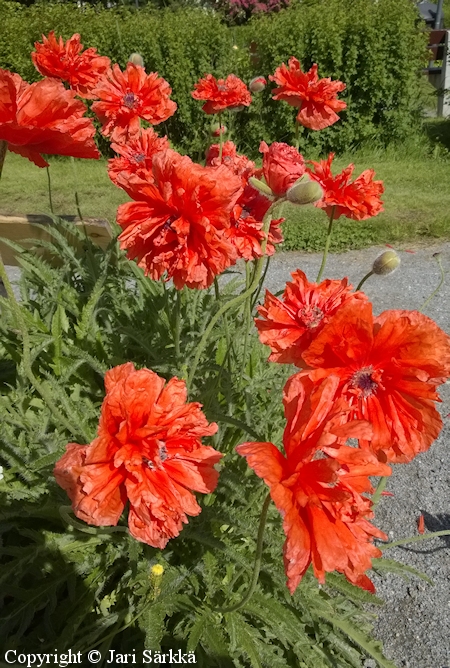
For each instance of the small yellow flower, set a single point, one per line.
(157, 570)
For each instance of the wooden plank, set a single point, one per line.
(19, 228)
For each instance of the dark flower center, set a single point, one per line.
(221, 87)
(311, 316)
(139, 157)
(130, 100)
(362, 380)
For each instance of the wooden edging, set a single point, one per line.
(21, 228)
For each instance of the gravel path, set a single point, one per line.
(414, 625)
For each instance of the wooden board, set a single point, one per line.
(19, 228)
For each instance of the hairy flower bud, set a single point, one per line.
(261, 186)
(136, 59)
(257, 84)
(304, 191)
(386, 263)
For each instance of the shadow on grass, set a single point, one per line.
(438, 132)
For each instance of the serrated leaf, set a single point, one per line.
(393, 566)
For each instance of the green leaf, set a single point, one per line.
(392, 566)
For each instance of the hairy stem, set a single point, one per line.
(3, 149)
(440, 284)
(49, 185)
(75, 182)
(177, 327)
(247, 316)
(235, 301)
(415, 539)
(363, 280)
(258, 559)
(327, 245)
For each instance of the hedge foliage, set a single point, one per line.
(376, 47)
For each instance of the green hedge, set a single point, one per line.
(376, 48)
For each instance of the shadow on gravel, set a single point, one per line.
(433, 523)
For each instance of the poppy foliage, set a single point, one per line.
(148, 452)
(68, 62)
(43, 117)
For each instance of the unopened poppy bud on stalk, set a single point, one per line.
(386, 263)
(136, 59)
(217, 130)
(261, 186)
(257, 84)
(304, 191)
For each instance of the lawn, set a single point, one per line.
(417, 196)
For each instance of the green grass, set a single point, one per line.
(416, 198)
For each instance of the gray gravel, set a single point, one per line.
(414, 625)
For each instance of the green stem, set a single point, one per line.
(441, 283)
(327, 245)
(247, 316)
(75, 181)
(363, 280)
(236, 300)
(220, 138)
(227, 334)
(177, 327)
(26, 358)
(49, 184)
(297, 135)
(64, 511)
(261, 283)
(415, 539)
(379, 490)
(258, 559)
(3, 149)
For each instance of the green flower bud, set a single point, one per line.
(136, 59)
(261, 186)
(386, 263)
(304, 191)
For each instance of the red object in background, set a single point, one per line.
(421, 524)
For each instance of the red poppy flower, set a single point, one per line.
(148, 451)
(283, 165)
(236, 163)
(43, 117)
(82, 70)
(387, 370)
(290, 324)
(125, 97)
(137, 155)
(176, 223)
(221, 94)
(316, 98)
(325, 517)
(358, 199)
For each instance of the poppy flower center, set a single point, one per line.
(130, 100)
(363, 381)
(221, 87)
(311, 316)
(139, 157)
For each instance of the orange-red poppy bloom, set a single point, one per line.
(125, 97)
(177, 221)
(221, 94)
(283, 165)
(316, 98)
(136, 156)
(325, 516)
(288, 325)
(358, 199)
(43, 117)
(387, 370)
(81, 69)
(148, 451)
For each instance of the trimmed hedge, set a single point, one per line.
(376, 47)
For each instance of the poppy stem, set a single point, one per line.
(177, 328)
(75, 181)
(297, 134)
(440, 284)
(247, 316)
(258, 559)
(363, 280)
(49, 184)
(327, 245)
(26, 356)
(3, 149)
(415, 539)
(380, 487)
(237, 300)
(220, 138)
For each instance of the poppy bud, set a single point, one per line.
(239, 107)
(304, 191)
(217, 129)
(257, 84)
(235, 47)
(261, 186)
(156, 574)
(136, 59)
(386, 263)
